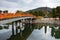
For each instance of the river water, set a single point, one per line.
(33, 32)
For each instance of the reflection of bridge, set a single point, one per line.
(25, 34)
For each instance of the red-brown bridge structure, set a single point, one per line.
(10, 17)
(16, 18)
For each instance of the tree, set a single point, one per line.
(19, 11)
(0, 11)
(58, 11)
(41, 13)
(54, 12)
(5, 11)
(36, 12)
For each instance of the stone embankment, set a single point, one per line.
(48, 20)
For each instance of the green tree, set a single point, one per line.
(37, 13)
(58, 11)
(18, 11)
(54, 13)
(41, 13)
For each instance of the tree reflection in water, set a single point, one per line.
(1, 28)
(55, 32)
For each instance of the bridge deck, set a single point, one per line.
(13, 19)
(7, 18)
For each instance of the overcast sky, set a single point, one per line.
(24, 5)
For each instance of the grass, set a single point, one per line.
(40, 17)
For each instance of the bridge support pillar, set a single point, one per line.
(12, 28)
(30, 23)
(31, 27)
(16, 27)
(21, 27)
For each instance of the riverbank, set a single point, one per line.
(48, 20)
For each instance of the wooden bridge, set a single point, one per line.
(17, 18)
(10, 17)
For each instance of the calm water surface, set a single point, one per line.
(37, 32)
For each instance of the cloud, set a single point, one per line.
(27, 1)
(27, 4)
(12, 0)
(54, 3)
(8, 4)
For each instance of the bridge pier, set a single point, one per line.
(21, 27)
(16, 27)
(30, 23)
(12, 28)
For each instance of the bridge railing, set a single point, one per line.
(12, 15)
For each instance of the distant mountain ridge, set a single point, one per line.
(41, 8)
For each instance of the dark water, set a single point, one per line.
(32, 32)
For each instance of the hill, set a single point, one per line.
(41, 8)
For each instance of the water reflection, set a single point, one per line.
(45, 29)
(46, 33)
(23, 35)
(31, 32)
(0, 27)
(55, 31)
(4, 27)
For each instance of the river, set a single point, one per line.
(37, 32)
